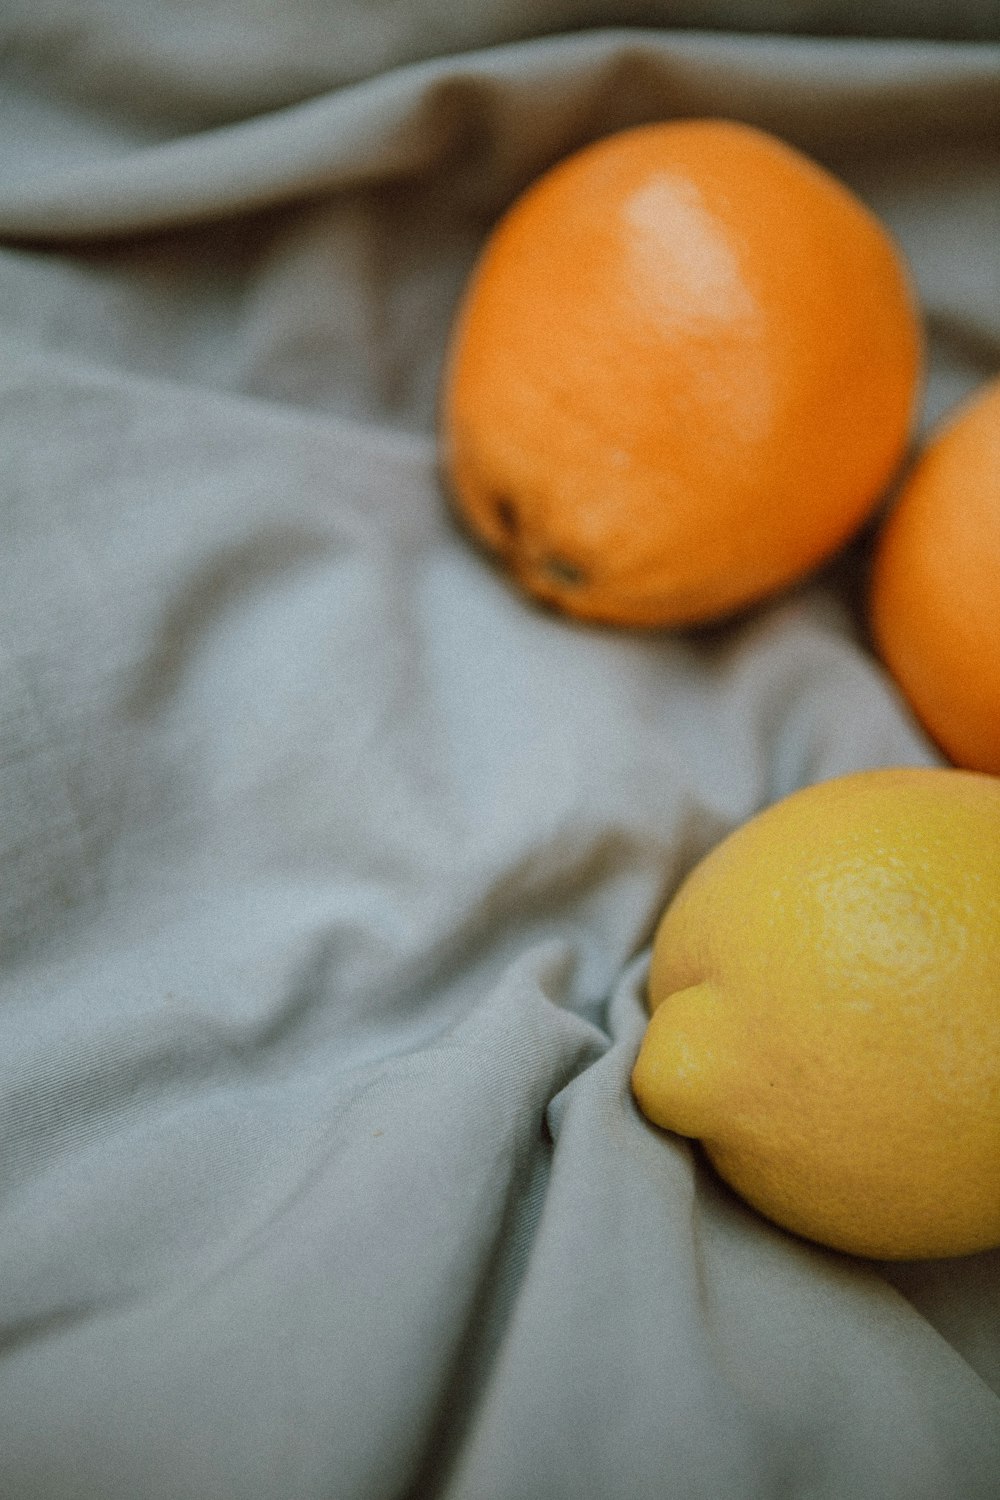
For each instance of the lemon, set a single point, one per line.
(825, 1013)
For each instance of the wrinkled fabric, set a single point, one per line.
(329, 863)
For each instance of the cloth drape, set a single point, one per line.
(329, 863)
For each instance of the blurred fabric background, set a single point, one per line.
(328, 864)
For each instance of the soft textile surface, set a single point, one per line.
(328, 865)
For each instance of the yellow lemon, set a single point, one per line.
(825, 1012)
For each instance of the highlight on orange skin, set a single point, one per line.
(683, 373)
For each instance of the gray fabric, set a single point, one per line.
(328, 865)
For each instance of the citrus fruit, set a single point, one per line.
(683, 372)
(935, 592)
(825, 1012)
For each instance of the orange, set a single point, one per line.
(683, 372)
(825, 998)
(935, 593)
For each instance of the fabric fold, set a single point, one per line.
(404, 123)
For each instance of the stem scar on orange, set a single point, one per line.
(683, 372)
